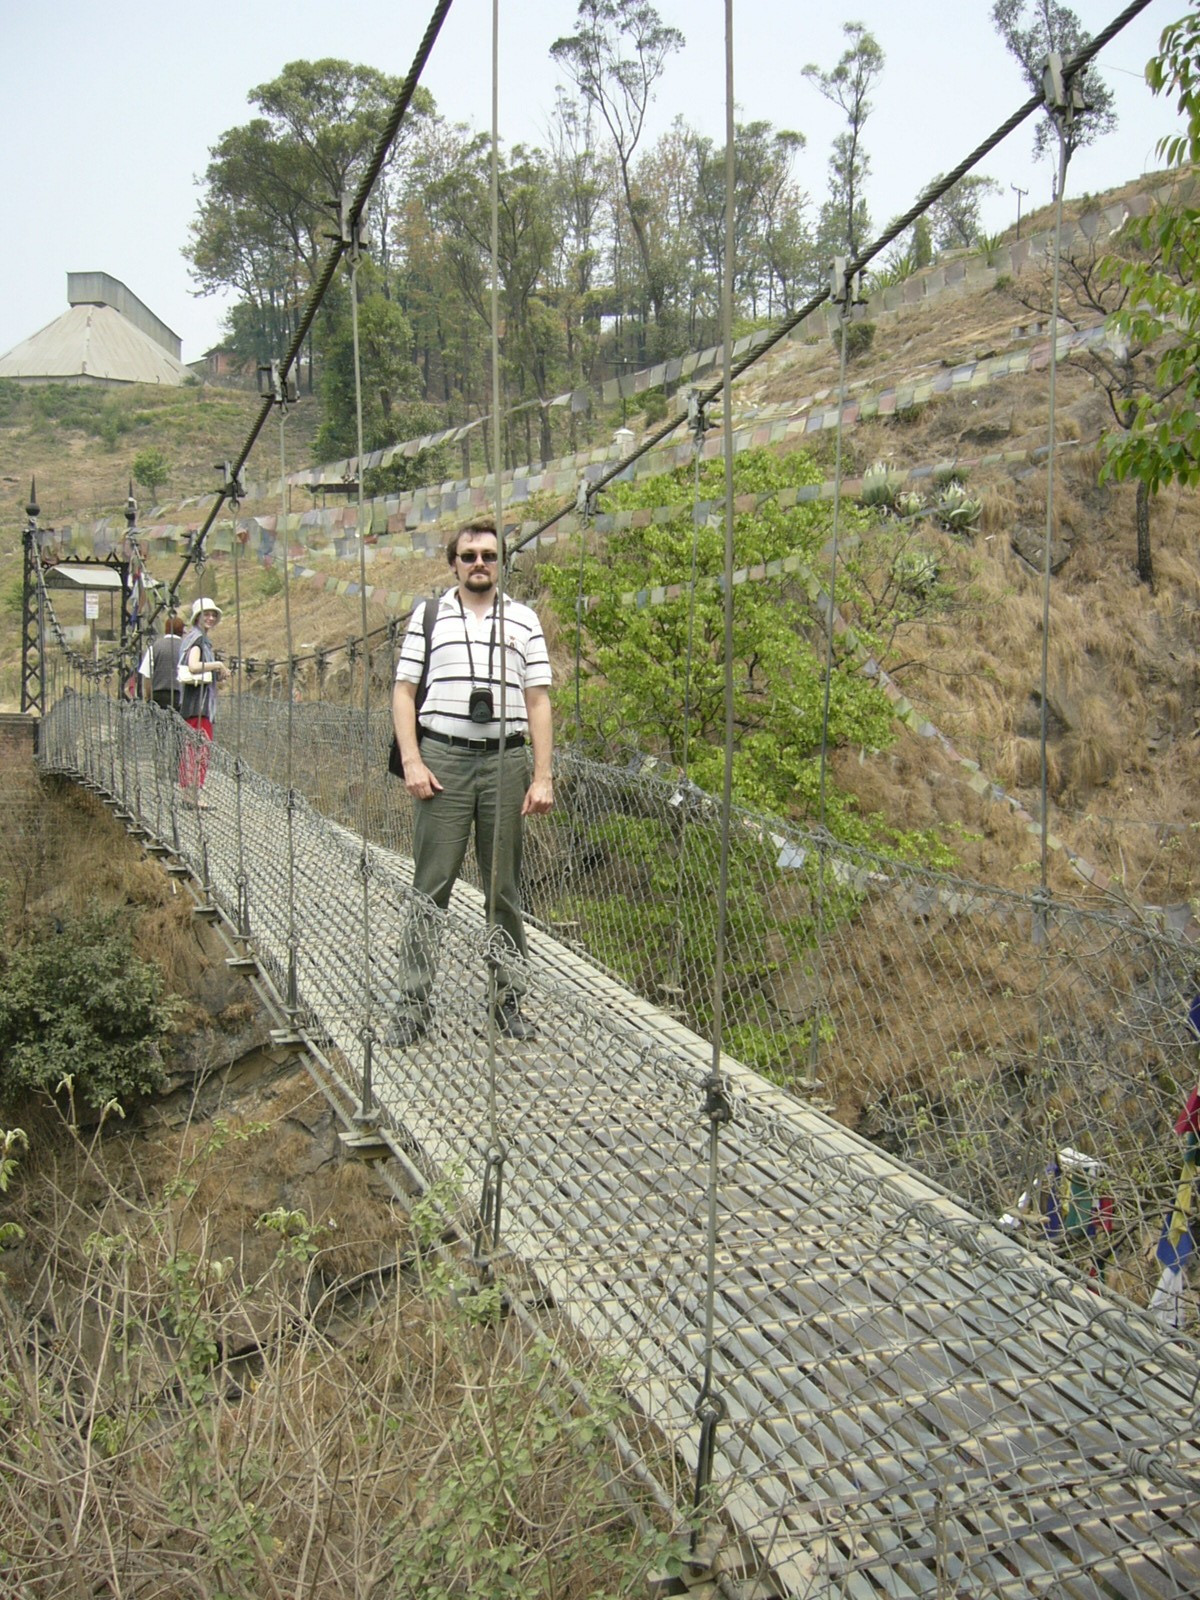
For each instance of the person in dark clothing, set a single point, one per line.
(160, 667)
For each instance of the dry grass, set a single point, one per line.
(231, 1370)
(230, 1365)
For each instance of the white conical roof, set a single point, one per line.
(92, 343)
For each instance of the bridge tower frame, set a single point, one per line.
(33, 609)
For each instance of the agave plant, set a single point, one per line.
(958, 510)
(881, 486)
(908, 504)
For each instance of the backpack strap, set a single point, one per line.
(428, 619)
(395, 764)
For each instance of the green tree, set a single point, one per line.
(150, 469)
(954, 219)
(1160, 443)
(388, 374)
(1031, 29)
(844, 218)
(528, 236)
(763, 188)
(614, 58)
(264, 213)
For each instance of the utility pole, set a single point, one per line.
(1018, 192)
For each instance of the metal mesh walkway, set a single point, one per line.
(913, 1404)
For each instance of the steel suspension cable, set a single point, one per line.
(710, 1407)
(845, 302)
(1063, 115)
(490, 1206)
(242, 878)
(675, 966)
(366, 1110)
(293, 944)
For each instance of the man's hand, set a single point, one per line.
(419, 781)
(539, 797)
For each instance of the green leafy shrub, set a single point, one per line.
(77, 1005)
(655, 407)
(656, 673)
(11, 396)
(860, 336)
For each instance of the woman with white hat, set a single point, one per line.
(200, 672)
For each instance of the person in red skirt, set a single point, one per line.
(199, 697)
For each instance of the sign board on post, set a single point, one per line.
(91, 605)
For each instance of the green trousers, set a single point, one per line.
(442, 829)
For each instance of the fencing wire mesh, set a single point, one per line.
(1003, 1046)
(911, 1399)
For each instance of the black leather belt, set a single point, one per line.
(514, 741)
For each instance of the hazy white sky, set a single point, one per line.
(108, 112)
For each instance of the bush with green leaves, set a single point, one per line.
(655, 407)
(860, 336)
(12, 596)
(79, 1008)
(653, 676)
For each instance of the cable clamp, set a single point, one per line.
(1063, 97)
(349, 232)
(845, 288)
(233, 485)
(274, 385)
(490, 1202)
(197, 554)
(718, 1107)
(697, 417)
(585, 500)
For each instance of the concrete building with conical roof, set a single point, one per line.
(106, 337)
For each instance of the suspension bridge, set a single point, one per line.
(923, 1364)
(895, 1395)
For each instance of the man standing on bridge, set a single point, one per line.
(486, 658)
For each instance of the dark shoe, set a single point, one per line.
(510, 1024)
(405, 1031)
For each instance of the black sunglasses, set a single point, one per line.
(488, 557)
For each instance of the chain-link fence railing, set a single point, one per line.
(876, 1388)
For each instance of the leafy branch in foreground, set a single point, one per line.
(1162, 441)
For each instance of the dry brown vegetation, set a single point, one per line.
(232, 1362)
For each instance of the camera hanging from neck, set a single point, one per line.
(481, 705)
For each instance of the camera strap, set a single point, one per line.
(467, 636)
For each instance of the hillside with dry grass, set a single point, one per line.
(1122, 704)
